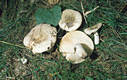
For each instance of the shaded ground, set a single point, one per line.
(108, 62)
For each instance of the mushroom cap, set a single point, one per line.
(41, 38)
(70, 20)
(93, 29)
(75, 46)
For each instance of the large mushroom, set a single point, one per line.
(70, 20)
(41, 38)
(75, 46)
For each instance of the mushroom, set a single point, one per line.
(70, 20)
(93, 29)
(75, 46)
(41, 38)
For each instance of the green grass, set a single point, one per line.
(108, 62)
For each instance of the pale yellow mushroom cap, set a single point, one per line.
(75, 46)
(41, 38)
(70, 20)
(93, 29)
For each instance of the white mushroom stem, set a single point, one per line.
(80, 49)
(93, 29)
(78, 55)
(96, 38)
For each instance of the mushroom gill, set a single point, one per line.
(70, 20)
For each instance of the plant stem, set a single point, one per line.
(11, 44)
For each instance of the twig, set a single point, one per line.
(83, 11)
(88, 12)
(11, 44)
(102, 40)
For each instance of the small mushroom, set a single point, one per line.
(75, 46)
(41, 38)
(93, 29)
(70, 20)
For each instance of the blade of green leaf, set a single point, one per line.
(49, 16)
